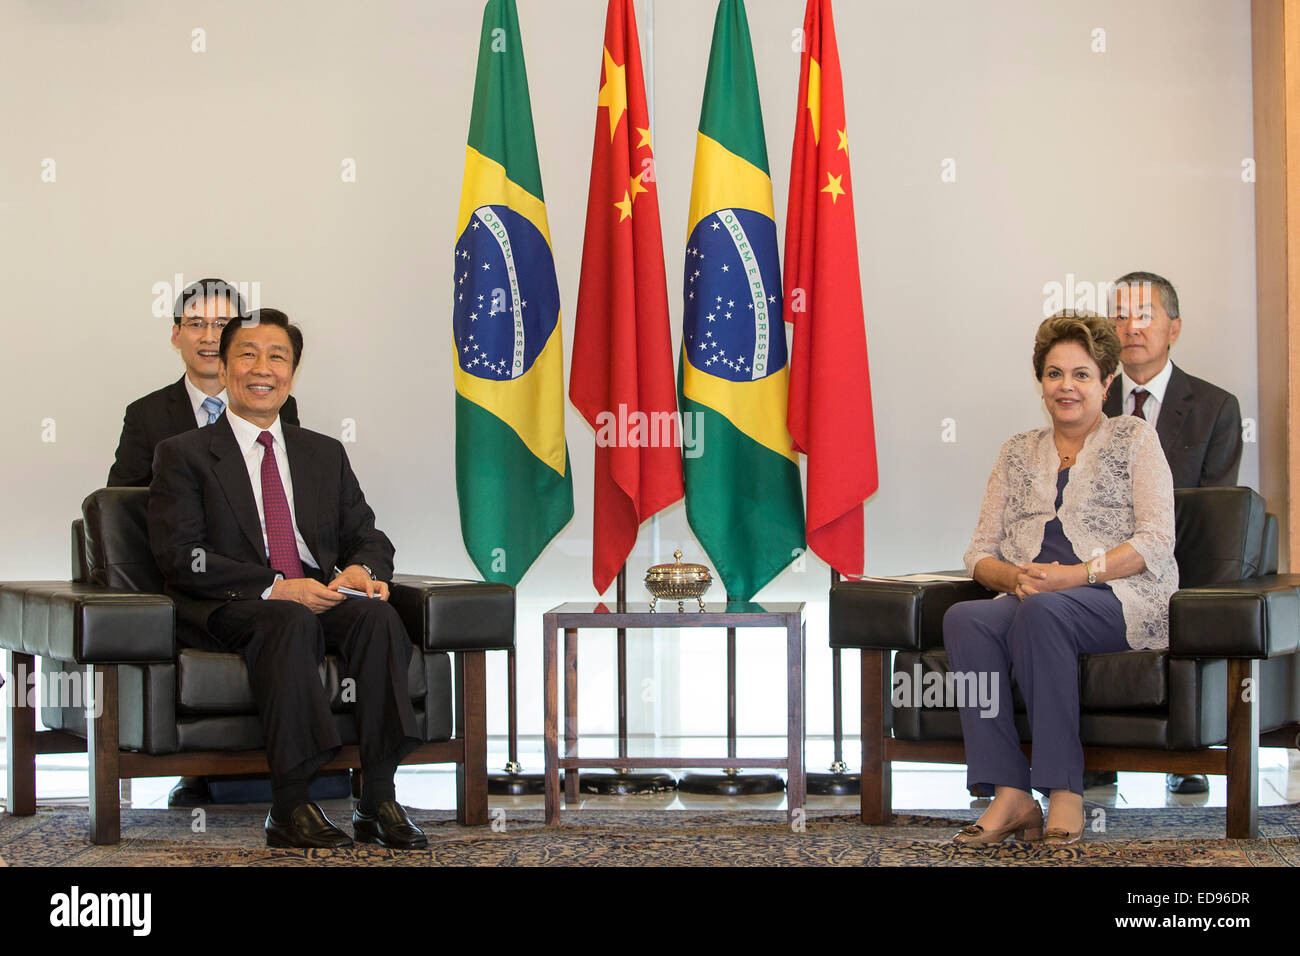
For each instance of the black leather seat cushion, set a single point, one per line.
(243, 732)
(1127, 680)
(215, 683)
(1128, 699)
(149, 721)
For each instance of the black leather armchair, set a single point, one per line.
(162, 710)
(1230, 676)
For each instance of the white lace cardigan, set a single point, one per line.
(1119, 490)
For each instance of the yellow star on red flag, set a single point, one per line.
(636, 187)
(833, 187)
(614, 93)
(625, 207)
(815, 98)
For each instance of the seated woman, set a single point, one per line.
(1077, 528)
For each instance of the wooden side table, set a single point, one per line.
(574, 616)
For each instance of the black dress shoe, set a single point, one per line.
(307, 828)
(389, 826)
(1099, 778)
(1187, 783)
(190, 792)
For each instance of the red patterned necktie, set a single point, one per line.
(1139, 399)
(280, 540)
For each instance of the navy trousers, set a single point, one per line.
(1037, 642)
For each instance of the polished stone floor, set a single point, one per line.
(62, 779)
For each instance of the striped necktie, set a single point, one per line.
(214, 407)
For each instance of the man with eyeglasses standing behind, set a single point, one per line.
(1199, 424)
(198, 398)
(193, 401)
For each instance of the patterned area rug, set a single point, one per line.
(1172, 836)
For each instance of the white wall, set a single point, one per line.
(228, 163)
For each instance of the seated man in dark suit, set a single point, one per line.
(193, 400)
(1199, 424)
(256, 525)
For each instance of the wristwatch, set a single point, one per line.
(1092, 573)
(366, 568)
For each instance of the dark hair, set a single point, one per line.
(262, 317)
(201, 290)
(1168, 297)
(1095, 334)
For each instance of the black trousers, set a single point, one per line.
(283, 644)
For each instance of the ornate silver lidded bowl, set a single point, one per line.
(677, 582)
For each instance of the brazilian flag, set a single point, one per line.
(513, 479)
(743, 497)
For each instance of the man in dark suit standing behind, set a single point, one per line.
(197, 397)
(1199, 424)
(256, 525)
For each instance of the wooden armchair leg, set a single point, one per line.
(102, 744)
(1243, 749)
(471, 728)
(877, 775)
(20, 746)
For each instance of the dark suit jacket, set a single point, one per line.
(1199, 428)
(204, 527)
(158, 416)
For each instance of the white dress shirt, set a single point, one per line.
(196, 400)
(1156, 398)
(246, 437)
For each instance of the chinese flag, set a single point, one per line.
(829, 410)
(621, 379)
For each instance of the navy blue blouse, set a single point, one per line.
(1056, 546)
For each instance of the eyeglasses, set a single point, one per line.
(199, 325)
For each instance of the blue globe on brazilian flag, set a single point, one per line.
(513, 479)
(507, 300)
(743, 495)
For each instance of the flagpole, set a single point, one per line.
(512, 781)
(731, 782)
(648, 68)
(838, 782)
(623, 781)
